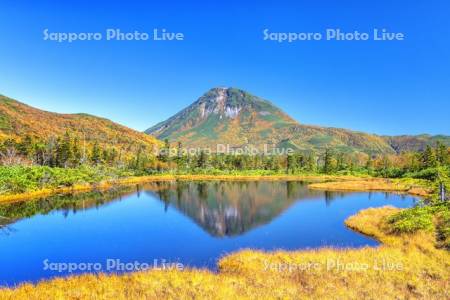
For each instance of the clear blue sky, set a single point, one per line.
(379, 87)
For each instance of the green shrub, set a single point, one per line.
(21, 179)
(435, 215)
(390, 173)
(412, 220)
(429, 174)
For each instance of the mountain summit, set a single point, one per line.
(233, 117)
(225, 116)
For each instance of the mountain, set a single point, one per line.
(234, 117)
(18, 119)
(224, 115)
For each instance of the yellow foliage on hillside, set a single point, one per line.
(18, 120)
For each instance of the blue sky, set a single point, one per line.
(380, 87)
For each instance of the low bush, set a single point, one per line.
(435, 216)
(412, 220)
(21, 179)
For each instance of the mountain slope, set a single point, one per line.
(415, 142)
(230, 116)
(224, 116)
(18, 119)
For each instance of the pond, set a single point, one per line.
(173, 224)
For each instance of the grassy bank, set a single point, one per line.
(417, 187)
(435, 216)
(406, 265)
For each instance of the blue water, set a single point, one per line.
(185, 222)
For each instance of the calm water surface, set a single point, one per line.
(186, 222)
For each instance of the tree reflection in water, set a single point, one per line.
(222, 208)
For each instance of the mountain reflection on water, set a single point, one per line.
(231, 208)
(222, 208)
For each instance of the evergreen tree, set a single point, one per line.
(369, 164)
(290, 164)
(429, 158)
(26, 146)
(65, 154)
(105, 156)
(179, 149)
(442, 155)
(96, 153)
(328, 162)
(300, 161)
(39, 150)
(311, 163)
(164, 153)
(340, 162)
(76, 152)
(139, 159)
(50, 152)
(113, 154)
(202, 160)
(181, 159)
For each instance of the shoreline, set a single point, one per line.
(106, 184)
(373, 184)
(422, 273)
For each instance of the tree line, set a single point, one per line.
(68, 151)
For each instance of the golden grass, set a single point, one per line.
(374, 184)
(403, 267)
(143, 179)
